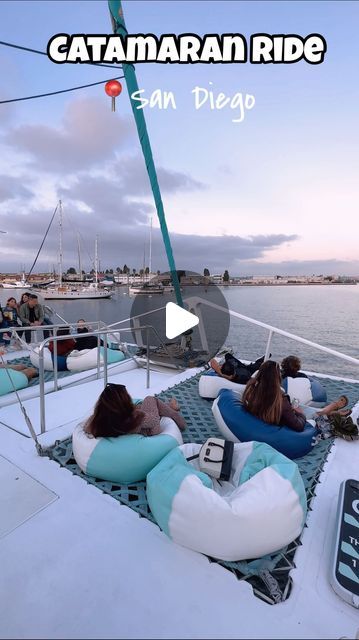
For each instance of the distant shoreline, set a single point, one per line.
(270, 284)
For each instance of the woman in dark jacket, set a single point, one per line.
(264, 398)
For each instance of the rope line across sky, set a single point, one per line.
(53, 93)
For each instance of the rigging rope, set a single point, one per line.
(29, 424)
(43, 240)
(54, 93)
(44, 53)
(67, 215)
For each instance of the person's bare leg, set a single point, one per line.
(30, 372)
(167, 411)
(16, 367)
(333, 406)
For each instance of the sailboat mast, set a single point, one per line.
(150, 256)
(96, 260)
(120, 29)
(60, 246)
(144, 262)
(79, 253)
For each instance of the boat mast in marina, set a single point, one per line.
(96, 261)
(79, 252)
(150, 254)
(61, 291)
(60, 245)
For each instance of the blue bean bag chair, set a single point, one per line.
(124, 459)
(306, 390)
(236, 424)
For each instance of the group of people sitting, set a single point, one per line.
(79, 341)
(26, 313)
(264, 397)
(116, 414)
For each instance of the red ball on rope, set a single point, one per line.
(113, 89)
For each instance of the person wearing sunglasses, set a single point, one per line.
(116, 414)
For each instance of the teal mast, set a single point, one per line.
(119, 28)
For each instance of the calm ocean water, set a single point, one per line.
(327, 315)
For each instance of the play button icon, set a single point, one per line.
(173, 335)
(178, 320)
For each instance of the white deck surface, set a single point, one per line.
(87, 567)
(77, 402)
(21, 496)
(33, 391)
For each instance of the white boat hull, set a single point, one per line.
(15, 285)
(75, 295)
(145, 291)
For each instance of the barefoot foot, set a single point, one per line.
(174, 404)
(214, 364)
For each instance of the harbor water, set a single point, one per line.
(325, 314)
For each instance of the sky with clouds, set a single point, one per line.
(276, 193)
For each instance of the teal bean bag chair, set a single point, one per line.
(18, 378)
(124, 459)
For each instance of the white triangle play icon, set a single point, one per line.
(178, 320)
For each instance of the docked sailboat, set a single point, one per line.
(16, 284)
(147, 287)
(70, 292)
(61, 291)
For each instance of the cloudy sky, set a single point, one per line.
(276, 193)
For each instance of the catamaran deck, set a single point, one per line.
(78, 564)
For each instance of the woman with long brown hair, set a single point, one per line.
(264, 398)
(115, 414)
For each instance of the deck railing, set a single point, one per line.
(103, 334)
(194, 304)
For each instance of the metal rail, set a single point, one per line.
(195, 302)
(99, 333)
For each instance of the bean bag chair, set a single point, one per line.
(236, 424)
(258, 511)
(306, 390)
(18, 378)
(87, 359)
(210, 384)
(124, 459)
(35, 360)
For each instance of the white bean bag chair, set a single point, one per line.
(34, 357)
(124, 459)
(87, 358)
(210, 384)
(260, 510)
(306, 390)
